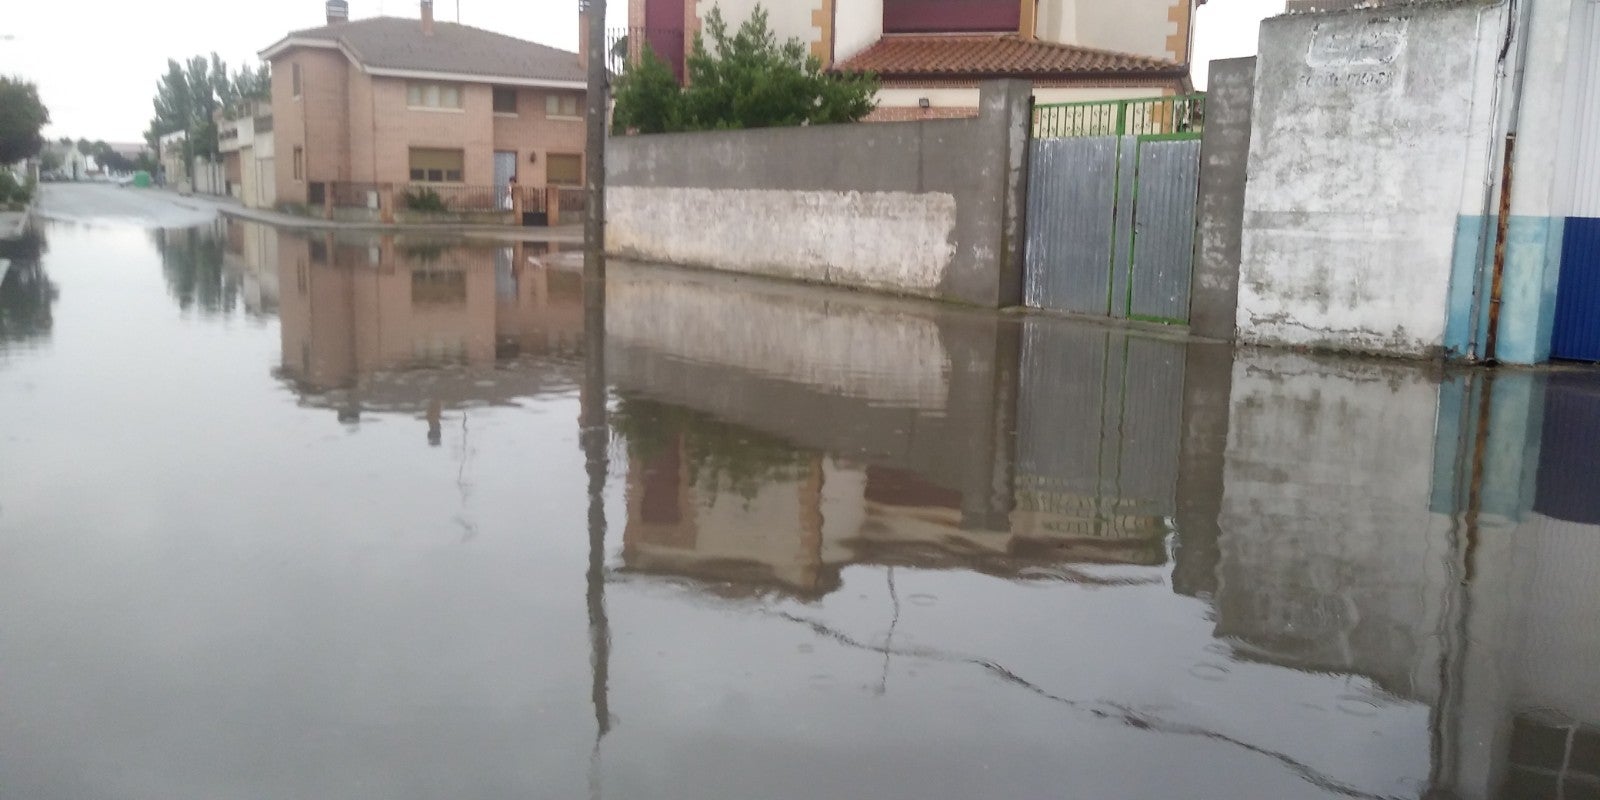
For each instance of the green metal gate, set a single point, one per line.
(1111, 207)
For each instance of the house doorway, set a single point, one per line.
(505, 168)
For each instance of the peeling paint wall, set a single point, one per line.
(1371, 134)
(927, 209)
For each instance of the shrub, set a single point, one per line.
(426, 200)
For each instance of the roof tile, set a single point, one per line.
(992, 56)
(396, 43)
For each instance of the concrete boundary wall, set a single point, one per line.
(928, 209)
(1370, 136)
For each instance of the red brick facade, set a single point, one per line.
(351, 126)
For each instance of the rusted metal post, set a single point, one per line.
(1502, 233)
(552, 205)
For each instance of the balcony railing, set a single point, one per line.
(1183, 115)
(564, 203)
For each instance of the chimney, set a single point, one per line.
(427, 17)
(583, 35)
(338, 11)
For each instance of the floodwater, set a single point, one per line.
(288, 515)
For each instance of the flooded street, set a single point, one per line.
(346, 516)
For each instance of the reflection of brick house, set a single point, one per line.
(794, 528)
(389, 100)
(352, 310)
(931, 54)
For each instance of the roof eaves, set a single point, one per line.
(292, 41)
(468, 77)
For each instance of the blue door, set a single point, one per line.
(1577, 331)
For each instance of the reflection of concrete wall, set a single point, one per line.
(1330, 558)
(789, 337)
(907, 386)
(930, 209)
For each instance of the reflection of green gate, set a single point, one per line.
(1111, 207)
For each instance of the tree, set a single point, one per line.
(22, 117)
(110, 160)
(743, 79)
(190, 93)
(648, 98)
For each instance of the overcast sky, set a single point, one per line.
(97, 61)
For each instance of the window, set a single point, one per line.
(430, 165)
(561, 105)
(294, 77)
(433, 95)
(299, 163)
(564, 170)
(505, 100)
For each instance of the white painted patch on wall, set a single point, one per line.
(897, 241)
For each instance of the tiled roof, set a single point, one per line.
(399, 44)
(899, 56)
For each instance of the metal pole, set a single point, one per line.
(594, 226)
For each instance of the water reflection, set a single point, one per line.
(734, 539)
(423, 325)
(1393, 567)
(192, 261)
(26, 293)
(1429, 541)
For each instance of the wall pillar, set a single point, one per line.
(1224, 158)
(1005, 109)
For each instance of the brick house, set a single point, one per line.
(421, 101)
(931, 54)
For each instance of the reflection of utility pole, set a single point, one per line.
(595, 436)
(594, 227)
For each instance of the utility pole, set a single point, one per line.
(594, 225)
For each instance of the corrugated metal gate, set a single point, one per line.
(1111, 218)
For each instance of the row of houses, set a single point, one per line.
(381, 110)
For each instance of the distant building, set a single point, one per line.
(248, 156)
(931, 54)
(390, 100)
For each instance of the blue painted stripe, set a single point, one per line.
(1528, 291)
(1577, 317)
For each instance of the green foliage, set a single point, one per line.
(721, 457)
(26, 292)
(741, 79)
(13, 193)
(648, 97)
(426, 200)
(22, 116)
